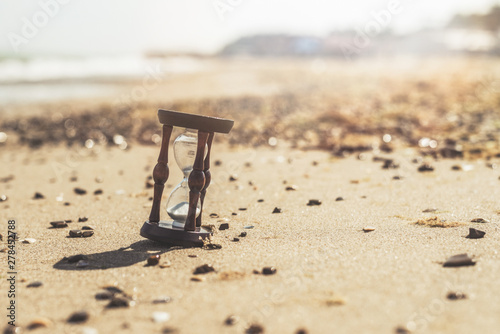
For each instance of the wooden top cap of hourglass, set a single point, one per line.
(192, 121)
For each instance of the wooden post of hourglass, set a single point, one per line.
(208, 177)
(160, 175)
(196, 181)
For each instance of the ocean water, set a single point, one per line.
(46, 79)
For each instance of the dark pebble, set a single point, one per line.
(35, 284)
(456, 295)
(76, 258)
(268, 271)
(162, 300)
(236, 239)
(315, 163)
(75, 233)
(169, 330)
(231, 320)
(254, 329)
(67, 203)
(98, 192)
(214, 215)
(105, 295)
(218, 163)
(243, 234)
(3, 198)
(459, 260)
(79, 317)
(479, 220)
(425, 168)
(87, 233)
(12, 330)
(153, 260)
(277, 210)
(338, 199)
(313, 202)
(82, 219)
(73, 179)
(68, 221)
(291, 188)
(475, 234)
(301, 331)
(59, 224)
(260, 200)
(204, 269)
(390, 164)
(80, 191)
(456, 167)
(118, 302)
(149, 184)
(113, 289)
(38, 196)
(223, 226)
(242, 209)
(7, 179)
(402, 330)
(234, 214)
(256, 272)
(397, 177)
(430, 210)
(87, 228)
(233, 178)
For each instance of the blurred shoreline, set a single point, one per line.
(446, 106)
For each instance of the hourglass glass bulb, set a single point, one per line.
(185, 153)
(185, 150)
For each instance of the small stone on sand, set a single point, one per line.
(204, 269)
(59, 224)
(38, 196)
(80, 191)
(268, 271)
(455, 295)
(35, 284)
(313, 202)
(39, 323)
(475, 234)
(153, 260)
(480, 220)
(459, 260)
(79, 317)
(425, 168)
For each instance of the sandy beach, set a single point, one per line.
(331, 275)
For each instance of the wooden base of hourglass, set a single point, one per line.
(192, 234)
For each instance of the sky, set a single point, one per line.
(110, 27)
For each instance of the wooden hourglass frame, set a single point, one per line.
(192, 234)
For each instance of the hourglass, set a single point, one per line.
(185, 203)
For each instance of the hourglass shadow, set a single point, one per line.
(122, 257)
